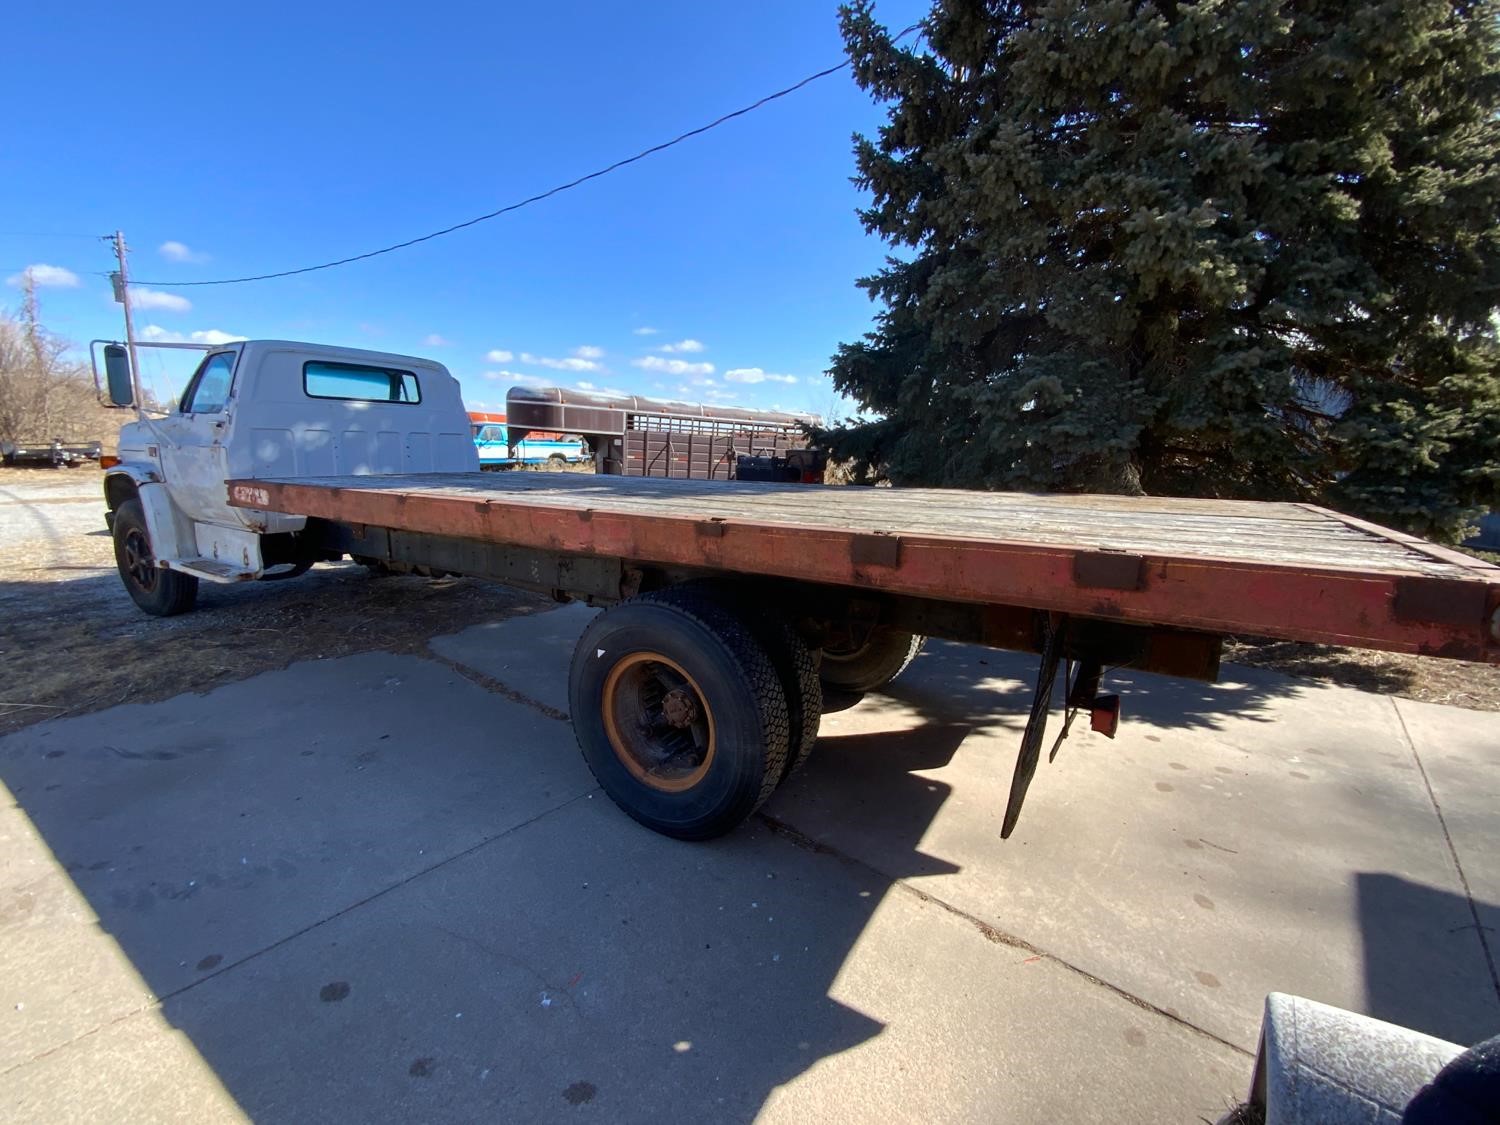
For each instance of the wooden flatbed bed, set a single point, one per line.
(1292, 571)
(695, 699)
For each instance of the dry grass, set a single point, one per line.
(1457, 683)
(65, 657)
(72, 641)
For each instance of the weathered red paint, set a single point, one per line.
(1329, 605)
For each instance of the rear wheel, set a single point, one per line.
(162, 593)
(789, 654)
(679, 714)
(869, 661)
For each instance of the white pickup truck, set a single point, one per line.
(264, 408)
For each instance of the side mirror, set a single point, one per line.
(117, 379)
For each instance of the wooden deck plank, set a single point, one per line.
(1289, 533)
(1288, 570)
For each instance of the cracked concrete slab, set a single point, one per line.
(1262, 834)
(202, 829)
(529, 657)
(1459, 750)
(452, 922)
(582, 961)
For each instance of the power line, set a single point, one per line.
(41, 234)
(549, 193)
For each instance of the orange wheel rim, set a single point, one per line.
(658, 722)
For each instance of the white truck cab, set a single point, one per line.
(265, 408)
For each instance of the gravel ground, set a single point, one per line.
(73, 641)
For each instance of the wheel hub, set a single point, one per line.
(658, 722)
(139, 562)
(679, 708)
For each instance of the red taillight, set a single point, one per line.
(1104, 715)
(108, 461)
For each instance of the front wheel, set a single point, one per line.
(871, 662)
(161, 593)
(680, 715)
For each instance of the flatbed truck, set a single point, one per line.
(728, 606)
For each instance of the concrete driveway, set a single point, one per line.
(385, 888)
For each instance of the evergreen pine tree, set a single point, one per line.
(1237, 248)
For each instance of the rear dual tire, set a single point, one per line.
(787, 651)
(871, 663)
(681, 710)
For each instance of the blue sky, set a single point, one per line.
(254, 138)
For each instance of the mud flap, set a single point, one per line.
(1056, 628)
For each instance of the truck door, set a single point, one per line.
(490, 441)
(193, 454)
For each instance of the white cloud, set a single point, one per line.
(499, 355)
(174, 251)
(433, 340)
(517, 378)
(155, 333)
(672, 366)
(44, 276)
(756, 375)
(588, 351)
(646, 331)
(153, 299)
(683, 346)
(214, 336)
(572, 363)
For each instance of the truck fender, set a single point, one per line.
(123, 481)
(172, 535)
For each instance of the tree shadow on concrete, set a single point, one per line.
(986, 687)
(1425, 965)
(367, 889)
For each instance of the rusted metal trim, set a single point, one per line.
(1109, 570)
(880, 549)
(1441, 601)
(1410, 542)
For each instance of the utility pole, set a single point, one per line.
(121, 280)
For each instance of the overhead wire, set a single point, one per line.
(540, 196)
(40, 234)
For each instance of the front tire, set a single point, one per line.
(679, 713)
(161, 593)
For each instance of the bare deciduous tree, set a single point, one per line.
(44, 393)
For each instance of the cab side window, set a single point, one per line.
(209, 390)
